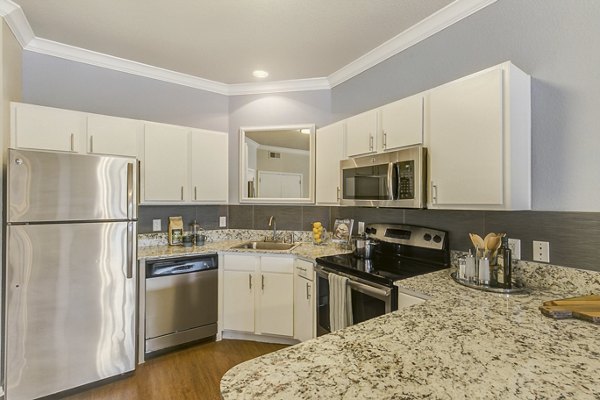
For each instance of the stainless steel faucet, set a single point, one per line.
(273, 224)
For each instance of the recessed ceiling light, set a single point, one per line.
(306, 131)
(260, 73)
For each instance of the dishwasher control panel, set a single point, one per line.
(181, 265)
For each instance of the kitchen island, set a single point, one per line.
(460, 344)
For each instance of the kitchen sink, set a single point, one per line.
(259, 245)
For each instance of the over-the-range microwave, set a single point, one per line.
(392, 179)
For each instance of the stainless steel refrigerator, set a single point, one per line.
(70, 271)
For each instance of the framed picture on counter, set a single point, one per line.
(342, 230)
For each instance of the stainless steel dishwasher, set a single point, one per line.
(181, 301)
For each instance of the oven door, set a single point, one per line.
(369, 300)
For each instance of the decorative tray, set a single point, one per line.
(487, 288)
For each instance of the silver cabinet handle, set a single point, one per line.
(338, 193)
(384, 140)
(130, 250)
(72, 142)
(307, 291)
(91, 143)
(263, 282)
(195, 192)
(370, 142)
(250, 281)
(130, 190)
(434, 194)
(182, 193)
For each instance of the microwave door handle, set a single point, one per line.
(390, 181)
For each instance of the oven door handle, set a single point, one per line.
(376, 291)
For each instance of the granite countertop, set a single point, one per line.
(307, 251)
(461, 344)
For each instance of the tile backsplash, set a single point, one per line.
(574, 236)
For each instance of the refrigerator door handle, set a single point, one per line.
(130, 244)
(130, 189)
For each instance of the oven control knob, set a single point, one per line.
(427, 237)
(437, 239)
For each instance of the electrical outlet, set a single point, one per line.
(541, 251)
(156, 225)
(222, 222)
(515, 248)
(361, 227)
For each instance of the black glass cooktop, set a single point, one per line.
(381, 269)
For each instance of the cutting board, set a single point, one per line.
(584, 307)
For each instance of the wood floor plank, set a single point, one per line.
(190, 374)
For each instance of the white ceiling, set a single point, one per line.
(223, 41)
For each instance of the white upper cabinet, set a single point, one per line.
(478, 136)
(46, 128)
(361, 132)
(329, 153)
(402, 123)
(209, 166)
(165, 163)
(113, 136)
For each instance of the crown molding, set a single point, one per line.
(17, 22)
(449, 15)
(295, 85)
(56, 49)
(452, 13)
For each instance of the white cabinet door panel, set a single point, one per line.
(330, 145)
(210, 166)
(238, 301)
(465, 139)
(276, 307)
(402, 123)
(113, 136)
(165, 163)
(45, 128)
(361, 133)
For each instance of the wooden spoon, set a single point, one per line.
(476, 240)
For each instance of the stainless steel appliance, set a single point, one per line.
(181, 301)
(403, 251)
(70, 276)
(394, 179)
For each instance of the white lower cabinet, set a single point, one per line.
(304, 301)
(258, 294)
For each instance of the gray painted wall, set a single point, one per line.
(55, 82)
(312, 107)
(557, 43)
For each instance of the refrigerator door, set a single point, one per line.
(46, 186)
(70, 306)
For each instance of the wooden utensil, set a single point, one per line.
(583, 307)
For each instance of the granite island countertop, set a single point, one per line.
(460, 344)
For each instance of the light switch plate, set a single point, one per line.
(222, 222)
(156, 227)
(541, 251)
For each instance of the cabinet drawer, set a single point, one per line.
(277, 264)
(305, 269)
(236, 262)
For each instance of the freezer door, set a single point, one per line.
(70, 307)
(45, 186)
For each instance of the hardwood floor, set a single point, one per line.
(192, 373)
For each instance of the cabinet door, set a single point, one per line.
(238, 301)
(45, 128)
(328, 156)
(112, 135)
(276, 304)
(210, 161)
(165, 163)
(402, 123)
(464, 140)
(304, 305)
(360, 133)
